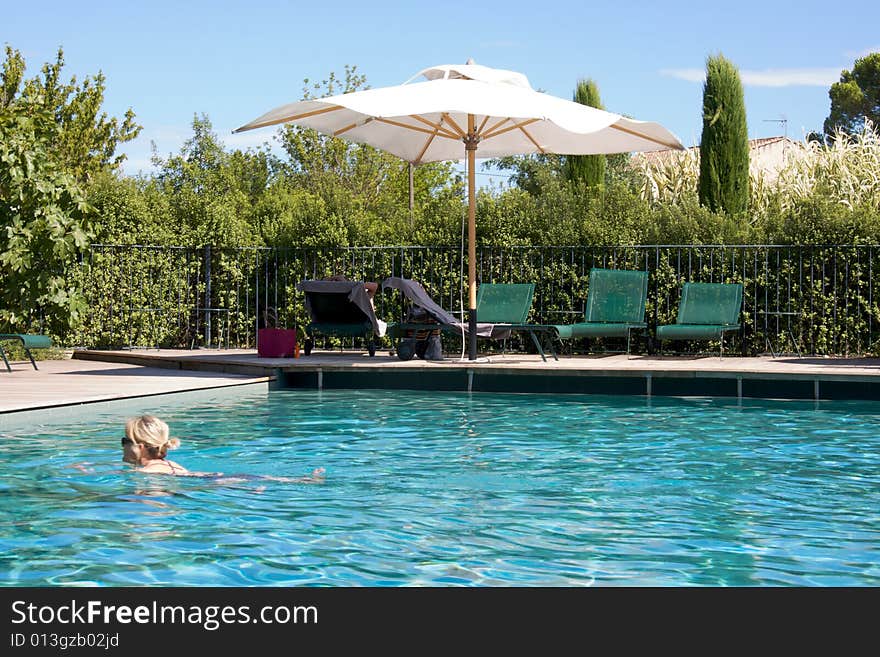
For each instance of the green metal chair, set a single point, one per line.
(504, 303)
(28, 341)
(615, 306)
(507, 306)
(706, 312)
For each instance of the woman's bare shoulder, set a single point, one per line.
(164, 467)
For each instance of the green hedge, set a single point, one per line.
(141, 296)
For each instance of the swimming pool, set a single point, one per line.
(449, 489)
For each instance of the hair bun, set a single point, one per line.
(173, 443)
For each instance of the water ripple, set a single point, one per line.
(454, 490)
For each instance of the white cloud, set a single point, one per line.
(689, 74)
(790, 77)
(770, 77)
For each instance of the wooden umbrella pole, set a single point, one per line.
(470, 144)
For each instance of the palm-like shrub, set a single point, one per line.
(845, 172)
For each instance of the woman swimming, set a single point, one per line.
(146, 444)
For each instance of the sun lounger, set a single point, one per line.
(706, 312)
(615, 306)
(28, 341)
(507, 306)
(502, 308)
(340, 308)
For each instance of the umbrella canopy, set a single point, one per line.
(460, 110)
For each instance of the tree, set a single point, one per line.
(85, 142)
(531, 173)
(51, 142)
(44, 224)
(367, 189)
(211, 192)
(724, 144)
(855, 98)
(587, 169)
(324, 165)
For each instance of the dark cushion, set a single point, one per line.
(330, 328)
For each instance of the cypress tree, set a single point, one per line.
(724, 144)
(589, 169)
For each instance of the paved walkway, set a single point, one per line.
(66, 382)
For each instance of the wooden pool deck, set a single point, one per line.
(93, 376)
(74, 381)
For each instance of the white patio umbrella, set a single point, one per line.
(461, 109)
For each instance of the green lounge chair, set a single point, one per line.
(706, 312)
(506, 306)
(501, 309)
(615, 306)
(28, 341)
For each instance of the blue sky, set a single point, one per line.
(235, 60)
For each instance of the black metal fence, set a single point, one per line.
(812, 299)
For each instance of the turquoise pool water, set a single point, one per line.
(450, 489)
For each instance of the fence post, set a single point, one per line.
(207, 295)
(655, 284)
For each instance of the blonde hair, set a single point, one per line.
(150, 431)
